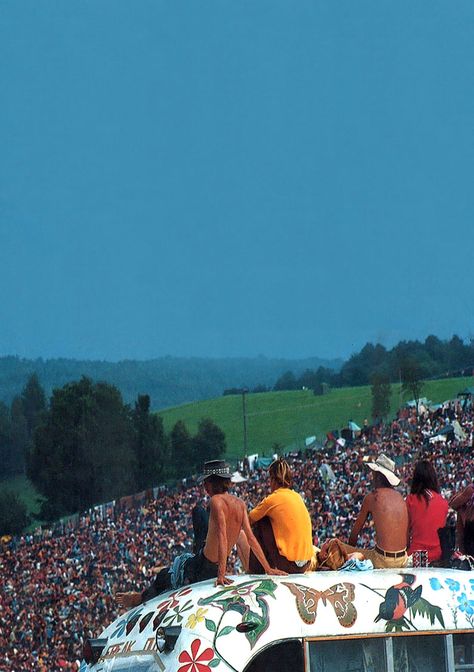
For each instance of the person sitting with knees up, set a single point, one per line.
(282, 525)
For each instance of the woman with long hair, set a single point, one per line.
(427, 511)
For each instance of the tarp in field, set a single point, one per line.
(263, 462)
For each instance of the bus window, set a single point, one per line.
(421, 653)
(286, 656)
(348, 655)
(463, 651)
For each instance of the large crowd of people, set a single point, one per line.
(58, 588)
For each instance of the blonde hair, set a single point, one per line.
(281, 472)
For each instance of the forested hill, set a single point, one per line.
(168, 380)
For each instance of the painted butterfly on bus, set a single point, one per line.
(340, 597)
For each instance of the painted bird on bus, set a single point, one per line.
(399, 598)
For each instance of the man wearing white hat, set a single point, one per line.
(389, 512)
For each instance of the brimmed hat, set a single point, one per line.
(386, 466)
(215, 468)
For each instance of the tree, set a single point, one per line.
(411, 375)
(286, 382)
(6, 456)
(13, 515)
(34, 403)
(151, 445)
(83, 449)
(19, 434)
(209, 442)
(182, 459)
(381, 393)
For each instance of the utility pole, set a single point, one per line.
(244, 416)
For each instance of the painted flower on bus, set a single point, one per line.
(458, 598)
(171, 602)
(194, 661)
(127, 623)
(194, 619)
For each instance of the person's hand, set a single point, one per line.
(273, 571)
(223, 580)
(128, 600)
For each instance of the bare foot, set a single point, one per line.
(128, 600)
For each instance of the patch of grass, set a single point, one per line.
(26, 491)
(287, 418)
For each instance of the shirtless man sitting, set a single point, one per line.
(389, 512)
(228, 517)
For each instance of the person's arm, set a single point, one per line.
(262, 509)
(217, 512)
(256, 548)
(408, 503)
(461, 498)
(360, 520)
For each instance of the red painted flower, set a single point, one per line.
(170, 603)
(193, 662)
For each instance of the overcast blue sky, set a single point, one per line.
(229, 177)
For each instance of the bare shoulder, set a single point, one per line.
(369, 500)
(226, 500)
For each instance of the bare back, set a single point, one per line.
(390, 515)
(232, 510)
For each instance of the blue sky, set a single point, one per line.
(234, 178)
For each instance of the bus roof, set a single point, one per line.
(229, 625)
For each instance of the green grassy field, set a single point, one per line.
(26, 491)
(283, 418)
(286, 418)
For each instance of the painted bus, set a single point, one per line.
(417, 620)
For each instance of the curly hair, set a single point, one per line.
(281, 472)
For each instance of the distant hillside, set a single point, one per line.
(286, 418)
(168, 380)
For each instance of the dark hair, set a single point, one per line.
(219, 485)
(380, 480)
(281, 472)
(424, 478)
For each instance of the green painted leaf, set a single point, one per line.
(214, 662)
(261, 620)
(266, 587)
(399, 625)
(225, 631)
(210, 625)
(424, 608)
(239, 607)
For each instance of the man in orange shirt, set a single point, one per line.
(282, 525)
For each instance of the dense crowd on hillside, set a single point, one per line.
(59, 588)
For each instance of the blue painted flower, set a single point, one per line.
(436, 584)
(452, 585)
(465, 604)
(122, 624)
(471, 581)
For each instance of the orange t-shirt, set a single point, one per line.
(291, 523)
